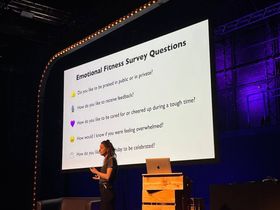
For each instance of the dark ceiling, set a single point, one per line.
(49, 22)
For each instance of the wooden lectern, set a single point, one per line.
(163, 192)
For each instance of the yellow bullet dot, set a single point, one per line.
(72, 139)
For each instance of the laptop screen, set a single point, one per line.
(158, 165)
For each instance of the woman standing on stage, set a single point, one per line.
(106, 175)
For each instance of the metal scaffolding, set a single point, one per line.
(248, 19)
(36, 11)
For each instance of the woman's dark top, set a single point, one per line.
(111, 162)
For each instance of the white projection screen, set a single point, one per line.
(150, 100)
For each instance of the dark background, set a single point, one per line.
(246, 90)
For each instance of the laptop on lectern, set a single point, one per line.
(158, 165)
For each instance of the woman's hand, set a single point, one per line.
(94, 170)
(96, 177)
(105, 176)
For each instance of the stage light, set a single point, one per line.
(27, 14)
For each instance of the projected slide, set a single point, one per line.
(150, 100)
